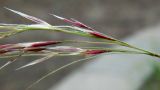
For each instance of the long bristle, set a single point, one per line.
(34, 19)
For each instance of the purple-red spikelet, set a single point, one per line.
(80, 24)
(34, 49)
(31, 46)
(73, 22)
(95, 52)
(3, 51)
(5, 46)
(99, 35)
(46, 43)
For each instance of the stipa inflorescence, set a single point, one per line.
(44, 48)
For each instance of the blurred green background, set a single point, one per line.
(118, 18)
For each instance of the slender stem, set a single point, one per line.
(139, 49)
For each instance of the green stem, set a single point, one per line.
(139, 49)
